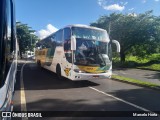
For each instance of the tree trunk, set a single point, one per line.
(122, 55)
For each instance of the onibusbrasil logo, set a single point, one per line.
(20, 114)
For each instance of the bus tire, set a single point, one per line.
(39, 63)
(58, 72)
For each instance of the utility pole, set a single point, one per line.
(109, 28)
(31, 38)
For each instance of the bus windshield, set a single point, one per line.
(92, 53)
(88, 33)
(92, 47)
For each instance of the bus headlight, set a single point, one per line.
(79, 71)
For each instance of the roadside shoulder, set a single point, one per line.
(136, 82)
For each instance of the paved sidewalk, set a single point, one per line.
(144, 75)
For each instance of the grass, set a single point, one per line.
(147, 59)
(151, 67)
(135, 81)
(151, 62)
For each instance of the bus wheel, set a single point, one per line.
(58, 71)
(39, 63)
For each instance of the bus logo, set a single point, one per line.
(6, 114)
(67, 71)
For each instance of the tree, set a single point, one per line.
(131, 30)
(26, 38)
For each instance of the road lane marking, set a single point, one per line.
(119, 99)
(23, 98)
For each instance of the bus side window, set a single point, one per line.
(53, 42)
(6, 39)
(67, 44)
(59, 38)
(43, 53)
(39, 52)
(52, 46)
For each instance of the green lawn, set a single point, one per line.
(135, 81)
(151, 62)
(151, 67)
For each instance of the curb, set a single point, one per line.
(153, 88)
(148, 69)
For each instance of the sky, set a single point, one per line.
(47, 16)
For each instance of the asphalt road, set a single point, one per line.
(40, 90)
(144, 75)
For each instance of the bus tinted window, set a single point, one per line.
(67, 34)
(88, 33)
(9, 28)
(51, 46)
(67, 44)
(6, 42)
(59, 38)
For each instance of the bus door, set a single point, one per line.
(67, 58)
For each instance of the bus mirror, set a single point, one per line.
(73, 43)
(117, 44)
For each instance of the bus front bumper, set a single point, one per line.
(89, 76)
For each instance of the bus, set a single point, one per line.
(77, 52)
(8, 55)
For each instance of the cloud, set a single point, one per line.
(132, 14)
(131, 9)
(46, 32)
(110, 5)
(114, 7)
(100, 2)
(125, 3)
(156, 0)
(144, 1)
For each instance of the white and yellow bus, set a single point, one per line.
(77, 52)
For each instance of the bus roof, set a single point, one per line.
(84, 26)
(75, 25)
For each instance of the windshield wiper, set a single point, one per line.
(97, 49)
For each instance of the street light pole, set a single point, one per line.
(109, 28)
(31, 38)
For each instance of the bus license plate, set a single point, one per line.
(95, 76)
